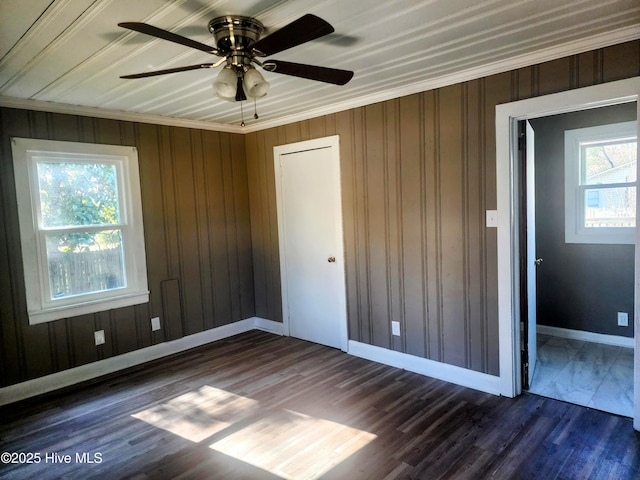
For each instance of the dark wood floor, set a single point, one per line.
(262, 406)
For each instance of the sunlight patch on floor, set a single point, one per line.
(198, 415)
(285, 443)
(292, 445)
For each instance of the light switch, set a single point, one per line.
(492, 218)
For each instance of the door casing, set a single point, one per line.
(332, 144)
(507, 116)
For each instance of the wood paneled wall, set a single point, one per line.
(418, 174)
(197, 235)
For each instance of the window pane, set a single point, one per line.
(85, 262)
(609, 163)
(73, 194)
(610, 207)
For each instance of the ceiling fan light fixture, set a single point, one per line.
(238, 43)
(228, 99)
(225, 84)
(254, 83)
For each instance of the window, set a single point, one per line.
(600, 184)
(81, 230)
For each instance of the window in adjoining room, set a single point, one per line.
(600, 184)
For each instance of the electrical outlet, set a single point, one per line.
(99, 337)
(155, 324)
(623, 319)
(395, 328)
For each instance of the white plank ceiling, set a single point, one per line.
(67, 55)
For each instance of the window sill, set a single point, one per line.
(100, 305)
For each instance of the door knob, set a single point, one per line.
(331, 259)
(538, 261)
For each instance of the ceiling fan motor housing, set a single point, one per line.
(234, 33)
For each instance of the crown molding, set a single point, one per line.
(552, 53)
(38, 105)
(540, 56)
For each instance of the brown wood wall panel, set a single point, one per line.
(243, 226)
(154, 217)
(264, 226)
(393, 202)
(202, 233)
(377, 220)
(37, 351)
(186, 224)
(60, 345)
(198, 244)
(432, 247)
(361, 269)
(255, 163)
(474, 228)
(230, 230)
(413, 218)
(418, 174)
(171, 308)
(620, 61)
(452, 214)
(220, 265)
(344, 124)
(555, 76)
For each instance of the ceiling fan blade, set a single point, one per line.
(306, 28)
(169, 70)
(240, 96)
(312, 72)
(165, 35)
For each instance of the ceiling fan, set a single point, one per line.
(238, 43)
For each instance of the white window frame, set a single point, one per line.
(40, 306)
(575, 231)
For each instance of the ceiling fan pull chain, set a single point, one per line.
(241, 115)
(255, 109)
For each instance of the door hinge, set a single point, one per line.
(522, 142)
(524, 356)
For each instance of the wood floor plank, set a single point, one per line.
(267, 407)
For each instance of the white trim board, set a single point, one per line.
(615, 340)
(442, 371)
(72, 376)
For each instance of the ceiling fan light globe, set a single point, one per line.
(228, 99)
(225, 84)
(254, 84)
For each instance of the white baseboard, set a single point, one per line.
(442, 371)
(72, 376)
(277, 328)
(616, 340)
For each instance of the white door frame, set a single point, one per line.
(507, 116)
(332, 144)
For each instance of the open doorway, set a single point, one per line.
(508, 203)
(579, 346)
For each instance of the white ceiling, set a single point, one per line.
(67, 55)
